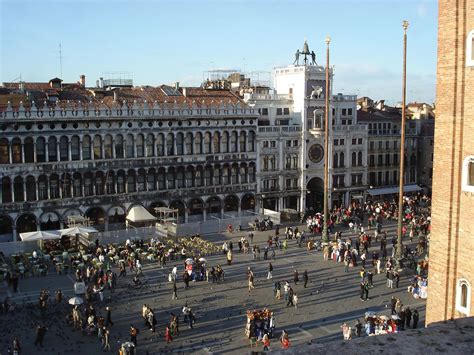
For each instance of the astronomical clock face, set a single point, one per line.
(316, 153)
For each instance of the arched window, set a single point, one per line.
(161, 179)
(335, 161)
(354, 158)
(88, 190)
(6, 190)
(190, 176)
(42, 187)
(180, 178)
(40, 150)
(108, 147)
(170, 144)
(131, 181)
(30, 188)
(4, 151)
(77, 185)
(217, 142)
(75, 154)
(251, 141)
(119, 146)
(225, 175)
(150, 145)
(52, 149)
(54, 186)
(198, 143)
(208, 176)
(66, 184)
(97, 147)
(243, 141)
(198, 176)
(359, 159)
(225, 142)
(179, 144)
(110, 182)
(29, 150)
(121, 182)
(463, 297)
(234, 174)
(341, 160)
(129, 147)
(251, 173)
(151, 180)
(99, 183)
(160, 145)
(140, 146)
(141, 179)
(18, 189)
(217, 175)
(170, 177)
(233, 142)
(189, 143)
(63, 149)
(16, 151)
(207, 143)
(86, 148)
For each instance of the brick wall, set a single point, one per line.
(452, 238)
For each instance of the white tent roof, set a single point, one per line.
(40, 235)
(393, 190)
(78, 230)
(140, 214)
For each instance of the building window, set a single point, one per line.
(468, 174)
(286, 111)
(341, 141)
(463, 297)
(336, 142)
(288, 143)
(359, 140)
(349, 111)
(354, 141)
(279, 111)
(344, 112)
(273, 144)
(470, 49)
(295, 143)
(265, 144)
(264, 111)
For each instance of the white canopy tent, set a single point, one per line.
(40, 235)
(78, 230)
(139, 214)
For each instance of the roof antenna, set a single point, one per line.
(60, 62)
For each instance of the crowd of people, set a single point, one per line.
(103, 268)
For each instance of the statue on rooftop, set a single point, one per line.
(297, 57)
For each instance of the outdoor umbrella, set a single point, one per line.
(202, 260)
(395, 317)
(189, 261)
(40, 235)
(75, 301)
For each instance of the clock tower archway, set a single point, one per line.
(315, 194)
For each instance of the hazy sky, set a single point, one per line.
(161, 42)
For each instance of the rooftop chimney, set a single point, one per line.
(82, 80)
(184, 92)
(101, 83)
(176, 85)
(115, 96)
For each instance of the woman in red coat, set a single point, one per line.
(168, 337)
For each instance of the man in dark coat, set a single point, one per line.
(40, 332)
(305, 278)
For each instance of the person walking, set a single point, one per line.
(270, 270)
(175, 291)
(290, 297)
(416, 317)
(295, 277)
(305, 278)
(108, 317)
(106, 340)
(40, 333)
(393, 303)
(362, 290)
(266, 342)
(133, 335)
(408, 317)
(295, 300)
(358, 328)
(286, 289)
(284, 340)
(168, 337)
(278, 290)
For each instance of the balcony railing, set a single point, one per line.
(279, 129)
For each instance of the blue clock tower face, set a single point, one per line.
(316, 153)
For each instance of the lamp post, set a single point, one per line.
(402, 151)
(325, 236)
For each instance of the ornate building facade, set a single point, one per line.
(99, 151)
